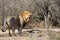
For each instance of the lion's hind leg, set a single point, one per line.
(9, 31)
(13, 31)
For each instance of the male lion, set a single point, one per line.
(16, 22)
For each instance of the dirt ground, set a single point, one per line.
(34, 35)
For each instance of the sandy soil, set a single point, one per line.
(23, 36)
(35, 35)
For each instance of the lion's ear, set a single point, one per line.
(30, 13)
(17, 15)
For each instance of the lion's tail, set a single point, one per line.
(4, 25)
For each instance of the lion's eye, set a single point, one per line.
(27, 18)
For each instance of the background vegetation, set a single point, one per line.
(39, 8)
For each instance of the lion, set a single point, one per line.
(19, 22)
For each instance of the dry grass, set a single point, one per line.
(35, 35)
